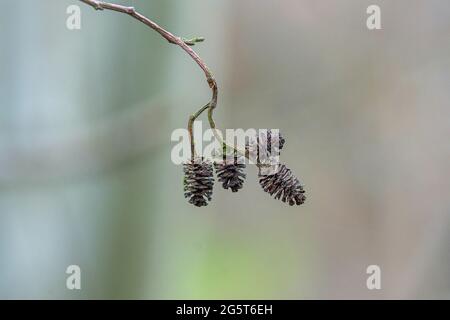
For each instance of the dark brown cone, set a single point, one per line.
(230, 174)
(284, 185)
(260, 147)
(198, 181)
(281, 140)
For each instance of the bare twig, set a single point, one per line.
(183, 43)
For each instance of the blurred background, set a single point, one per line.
(86, 176)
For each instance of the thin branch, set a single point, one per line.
(191, 127)
(183, 43)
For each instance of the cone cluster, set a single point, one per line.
(275, 179)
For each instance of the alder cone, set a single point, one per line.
(230, 173)
(260, 148)
(198, 181)
(283, 185)
(281, 141)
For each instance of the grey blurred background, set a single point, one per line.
(86, 176)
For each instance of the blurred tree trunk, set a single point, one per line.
(55, 85)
